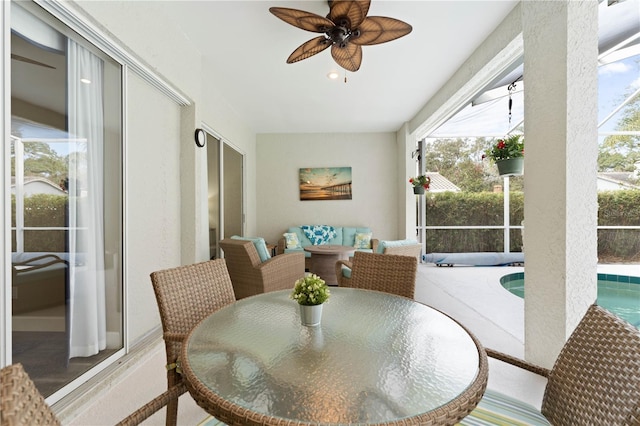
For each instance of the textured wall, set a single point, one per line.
(372, 157)
(152, 214)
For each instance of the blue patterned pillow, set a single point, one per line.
(319, 234)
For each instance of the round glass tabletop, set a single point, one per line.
(375, 357)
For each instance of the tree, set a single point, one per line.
(621, 153)
(40, 160)
(457, 160)
(460, 161)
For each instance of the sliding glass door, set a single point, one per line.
(225, 183)
(66, 224)
(233, 194)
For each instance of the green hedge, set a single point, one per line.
(42, 210)
(619, 208)
(471, 209)
(616, 208)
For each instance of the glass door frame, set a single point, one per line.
(5, 126)
(224, 142)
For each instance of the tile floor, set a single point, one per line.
(471, 295)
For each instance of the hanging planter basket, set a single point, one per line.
(418, 190)
(511, 167)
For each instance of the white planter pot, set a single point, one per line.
(310, 315)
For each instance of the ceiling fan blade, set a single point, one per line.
(348, 57)
(308, 49)
(30, 61)
(304, 20)
(379, 29)
(354, 10)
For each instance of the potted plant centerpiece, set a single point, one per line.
(420, 184)
(310, 292)
(508, 154)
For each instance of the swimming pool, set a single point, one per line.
(619, 294)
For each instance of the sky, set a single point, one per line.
(615, 82)
(324, 176)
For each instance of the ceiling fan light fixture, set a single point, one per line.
(346, 28)
(333, 75)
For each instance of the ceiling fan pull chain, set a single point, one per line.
(511, 88)
(345, 76)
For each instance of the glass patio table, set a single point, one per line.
(376, 358)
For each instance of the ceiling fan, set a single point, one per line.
(346, 29)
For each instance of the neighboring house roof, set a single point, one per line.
(37, 185)
(612, 181)
(440, 183)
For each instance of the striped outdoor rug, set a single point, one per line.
(497, 409)
(211, 421)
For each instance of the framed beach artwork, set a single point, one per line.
(325, 183)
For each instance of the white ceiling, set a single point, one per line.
(246, 47)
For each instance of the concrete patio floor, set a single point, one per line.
(471, 295)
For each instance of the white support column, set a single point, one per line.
(560, 45)
(406, 168)
(506, 221)
(194, 224)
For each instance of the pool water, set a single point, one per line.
(619, 294)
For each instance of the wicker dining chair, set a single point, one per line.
(594, 381)
(185, 296)
(22, 404)
(20, 401)
(390, 273)
(343, 267)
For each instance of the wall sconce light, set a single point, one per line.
(200, 137)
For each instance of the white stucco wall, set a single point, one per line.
(143, 28)
(218, 115)
(152, 214)
(372, 158)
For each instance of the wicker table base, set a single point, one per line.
(324, 258)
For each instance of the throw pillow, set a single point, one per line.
(396, 243)
(363, 241)
(319, 234)
(259, 243)
(291, 239)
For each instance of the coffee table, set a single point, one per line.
(324, 258)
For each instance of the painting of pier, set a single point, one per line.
(325, 183)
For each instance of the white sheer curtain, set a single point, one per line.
(87, 317)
